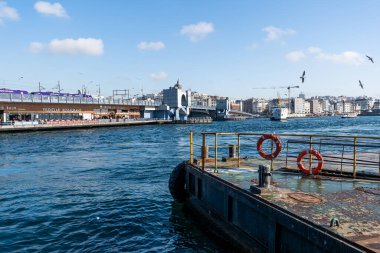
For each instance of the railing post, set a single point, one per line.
(287, 150)
(203, 150)
(271, 160)
(216, 153)
(238, 150)
(191, 148)
(310, 156)
(341, 161)
(354, 174)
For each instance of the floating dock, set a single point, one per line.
(334, 210)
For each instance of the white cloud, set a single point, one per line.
(295, 56)
(7, 13)
(153, 46)
(86, 46)
(159, 76)
(347, 57)
(314, 50)
(275, 33)
(53, 9)
(196, 32)
(36, 47)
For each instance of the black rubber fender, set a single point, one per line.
(177, 182)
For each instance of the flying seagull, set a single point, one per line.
(370, 58)
(360, 84)
(303, 76)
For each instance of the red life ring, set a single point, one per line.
(275, 139)
(313, 170)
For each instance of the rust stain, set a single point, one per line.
(372, 243)
(305, 197)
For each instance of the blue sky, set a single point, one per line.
(217, 47)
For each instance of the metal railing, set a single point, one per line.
(73, 100)
(52, 123)
(348, 155)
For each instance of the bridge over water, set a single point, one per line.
(36, 103)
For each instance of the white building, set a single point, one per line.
(339, 107)
(347, 107)
(364, 103)
(259, 106)
(178, 101)
(306, 107)
(299, 105)
(326, 106)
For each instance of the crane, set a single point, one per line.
(282, 87)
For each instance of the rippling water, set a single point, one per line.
(105, 190)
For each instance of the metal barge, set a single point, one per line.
(282, 209)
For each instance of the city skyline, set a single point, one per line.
(224, 48)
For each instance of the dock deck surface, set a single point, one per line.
(353, 203)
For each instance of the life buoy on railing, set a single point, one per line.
(311, 170)
(275, 139)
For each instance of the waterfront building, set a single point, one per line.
(357, 108)
(347, 107)
(365, 103)
(255, 106)
(339, 107)
(315, 107)
(326, 106)
(199, 99)
(299, 105)
(178, 102)
(260, 106)
(306, 107)
(376, 104)
(248, 104)
(236, 105)
(223, 107)
(37, 111)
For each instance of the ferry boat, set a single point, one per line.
(312, 196)
(279, 113)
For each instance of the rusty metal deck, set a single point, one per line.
(344, 198)
(352, 204)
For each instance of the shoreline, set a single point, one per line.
(77, 125)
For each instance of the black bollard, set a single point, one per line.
(264, 176)
(232, 151)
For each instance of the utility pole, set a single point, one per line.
(98, 90)
(40, 88)
(59, 87)
(59, 90)
(84, 89)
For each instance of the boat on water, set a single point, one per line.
(349, 115)
(273, 201)
(279, 114)
(373, 112)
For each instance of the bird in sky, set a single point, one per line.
(361, 85)
(303, 76)
(370, 58)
